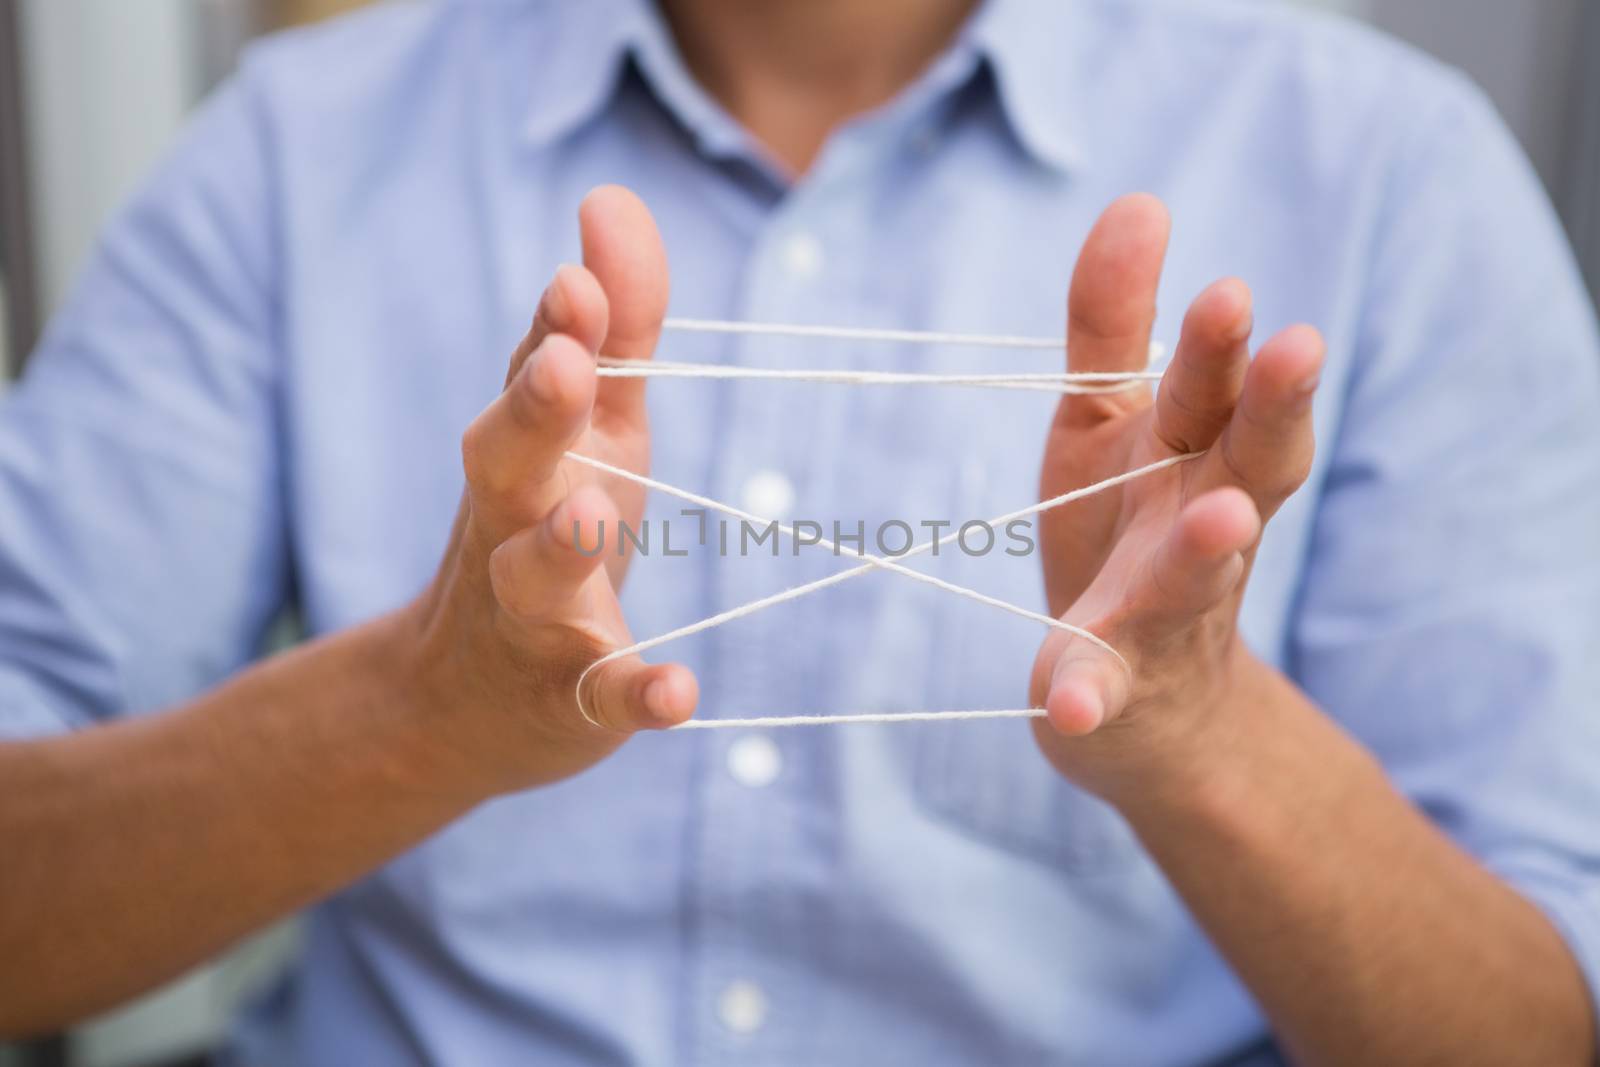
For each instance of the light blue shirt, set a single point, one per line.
(257, 393)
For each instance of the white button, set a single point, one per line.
(802, 255)
(754, 760)
(925, 140)
(742, 1007)
(768, 494)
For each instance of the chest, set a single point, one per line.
(385, 378)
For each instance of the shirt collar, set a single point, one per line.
(1028, 45)
(583, 48)
(591, 51)
(587, 55)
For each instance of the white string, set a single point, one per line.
(1083, 383)
(1066, 382)
(823, 542)
(857, 720)
(870, 563)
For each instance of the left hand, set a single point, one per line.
(1157, 568)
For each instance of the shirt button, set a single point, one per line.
(754, 761)
(742, 1007)
(802, 256)
(768, 494)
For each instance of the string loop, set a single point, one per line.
(1084, 382)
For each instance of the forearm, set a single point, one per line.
(131, 851)
(1367, 936)
(137, 849)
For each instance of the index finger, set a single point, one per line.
(1201, 386)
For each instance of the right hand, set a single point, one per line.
(516, 613)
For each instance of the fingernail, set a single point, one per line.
(553, 304)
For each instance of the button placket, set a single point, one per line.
(748, 921)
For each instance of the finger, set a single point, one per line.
(1268, 444)
(1197, 566)
(1200, 562)
(538, 571)
(1111, 307)
(511, 451)
(1087, 689)
(574, 304)
(629, 694)
(1201, 387)
(623, 249)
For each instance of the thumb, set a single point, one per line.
(1111, 307)
(622, 248)
(627, 694)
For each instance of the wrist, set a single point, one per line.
(1273, 765)
(1200, 742)
(416, 705)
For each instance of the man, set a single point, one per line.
(1347, 819)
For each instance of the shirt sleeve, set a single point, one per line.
(1450, 614)
(142, 545)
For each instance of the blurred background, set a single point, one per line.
(91, 91)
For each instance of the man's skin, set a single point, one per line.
(137, 849)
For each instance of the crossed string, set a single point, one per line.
(1079, 383)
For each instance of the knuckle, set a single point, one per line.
(484, 473)
(527, 394)
(1270, 476)
(474, 454)
(1281, 485)
(1188, 398)
(519, 357)
(511, 592)
(1237, 470)
(1261, 419)
(1295, 474)
(1091, 327)
(1187, 420)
